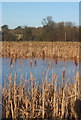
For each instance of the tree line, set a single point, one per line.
(50, 31)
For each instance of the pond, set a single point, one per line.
(37, 67)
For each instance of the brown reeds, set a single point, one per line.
(75, 61)
(47, 100)
(47, 49)
(11, 61)
(31, 63)
(56, 59)
(43, 54)
(35, 63)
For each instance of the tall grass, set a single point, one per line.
(46, 100)
(48, 49)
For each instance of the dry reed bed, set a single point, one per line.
(51, 49)
(48, 100)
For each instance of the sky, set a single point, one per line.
(0, 13)
(80, 13)
(32, 13)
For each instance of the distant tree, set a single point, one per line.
(27, 33)
(61, 31)
(18, 30)
(5, 28)
(79, 33)
(48, 21)
(69, 24)
(9, 37)
(51, 31)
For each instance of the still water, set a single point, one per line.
(38, 67)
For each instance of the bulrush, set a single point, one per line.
(11, 61)
(47, 100)
(30, 63)
(33, 54)
(75, 61)
(15, 58)
(35, 62)
(63, 75)
(43, 54)
(33, 49)
(56, 59)
(52, 99)
(21, 62)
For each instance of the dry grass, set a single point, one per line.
(48, 100)
(36, 49)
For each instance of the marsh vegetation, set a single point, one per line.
(48, 99)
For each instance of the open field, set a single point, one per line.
(36, 49)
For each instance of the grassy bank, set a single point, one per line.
(39, 49)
